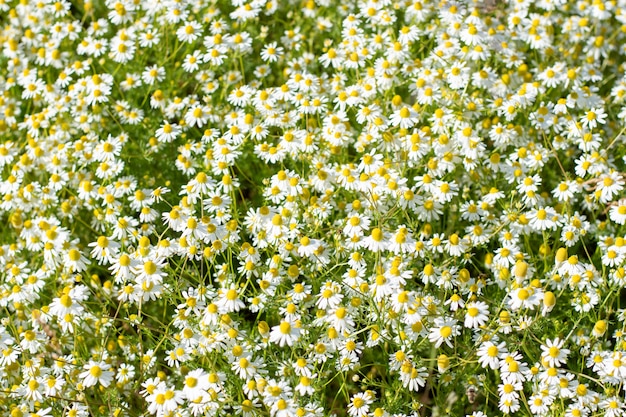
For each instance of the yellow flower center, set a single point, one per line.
(445, 331)
(149, 268)
(95, 371)
(285, 327)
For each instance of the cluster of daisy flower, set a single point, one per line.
(379, 208)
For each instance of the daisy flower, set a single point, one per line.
(543, 218)
(229, 301)
(540, 403)
(593, 118)
(168, 132)
(376, 241)
(164, 400)
(609, 186)
(150, 270)
(524, 298)
(553, 353)
(96, 373)
(513, 369)
(286, 333)
(489, 354)
(617, 212)
(405, 117)
(189, 32)
(271, 52)
(443, 331)
(360, 404)
(356, 224)
(104, 250)
(413, 378)
(476, 315)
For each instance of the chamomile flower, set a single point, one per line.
(360, 404)
(229, 300)
(196, 115)
(565, 191)
(411, 171)
(490, 354)
(609, 185)
(96, 373)
(514, 369)
(524, 298)
(617, 212)
(75, 261)
(286, 333)
(553, 352)
(593, 118)
(539, 403)
(443, 331)
(405, 117)
(150, 270)
(477, 314)
(509, 391)
(164, 400)
(376, 241)
(153, 75)
(271, 52)
(189, 32)
(104, 250)
(543, 218)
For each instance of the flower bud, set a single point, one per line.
(549, 301)
(599, 328)
(443, 363)
(561, 255)
(520, 270)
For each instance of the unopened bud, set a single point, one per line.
(443, 363)
(561, 255)
(599, 328)
(549, 301)
(520, 270)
